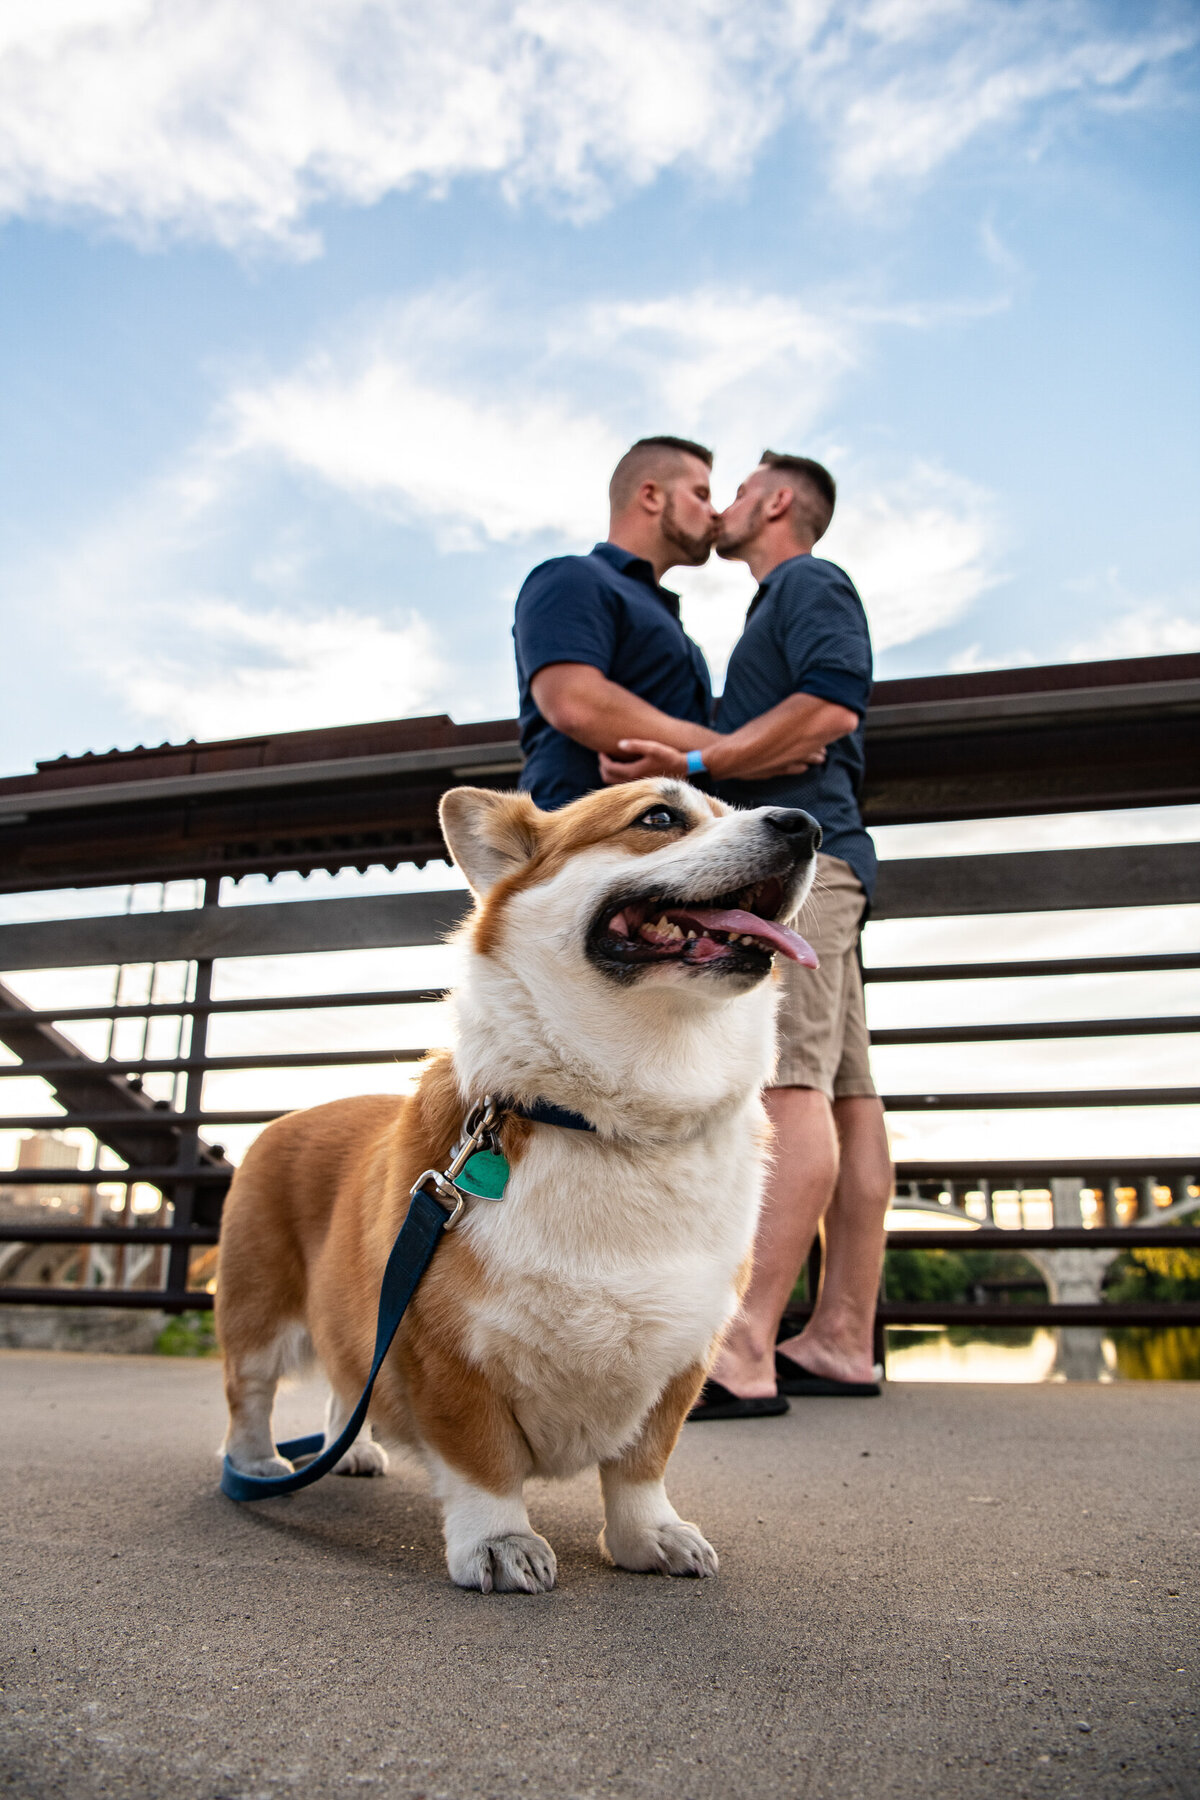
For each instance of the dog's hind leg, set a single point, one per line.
(365, 1456)
(642, 1530)
(251, 1378)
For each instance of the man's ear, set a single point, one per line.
(489, 835)
(780, 503)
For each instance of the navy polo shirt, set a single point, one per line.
(607, 610)
(806, 633)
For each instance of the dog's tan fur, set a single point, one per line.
(318, 1201)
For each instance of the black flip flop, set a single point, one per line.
(716, 1402)
(793, 1378)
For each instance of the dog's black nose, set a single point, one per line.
(802, 832)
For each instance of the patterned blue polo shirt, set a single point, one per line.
(607, 610)
(806, 633)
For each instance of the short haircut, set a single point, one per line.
(649, 457)
(815, 496)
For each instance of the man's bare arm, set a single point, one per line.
(585, 705)
(783, 741)
(795, 731)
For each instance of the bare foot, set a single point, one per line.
(831, 1360)
(748, 1377)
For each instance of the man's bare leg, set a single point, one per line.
(837, 1339)
(800, 1187)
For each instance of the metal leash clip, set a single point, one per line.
(479, 1132)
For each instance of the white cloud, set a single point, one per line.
(1152, 629)
(478, 467)
(201, 621)
(493, 423)
(737, 369)
(714, 599)
(209, 609)
(921, 550)
(232, 119)
(942, 72)
(269, 671)
(753, 362)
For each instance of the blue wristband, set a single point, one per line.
(695, 763)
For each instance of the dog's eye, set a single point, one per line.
(660, 818)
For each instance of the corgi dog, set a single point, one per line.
(617, 966)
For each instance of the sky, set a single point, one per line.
(320, 326)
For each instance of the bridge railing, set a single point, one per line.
(934, 755)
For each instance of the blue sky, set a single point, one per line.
(319, 328)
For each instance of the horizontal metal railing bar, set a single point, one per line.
(153, 1121)
(1161, 1096)
(890, 1312)
(277, 928)
(140, 1299)
(905, 1172)
(917, 1312)
(985, 1237)
(1060, 1237)
(1160, 1025)
(169, 1065)
(121, 1177)
(173, 1009)
(1023, 881)
(11, 1233)
(932, 1034)
(331, 1059)
(998, 1168)
(1062, 965)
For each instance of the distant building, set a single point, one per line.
(46, 1150)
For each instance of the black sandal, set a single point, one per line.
(716, 1402)
(793, 1378)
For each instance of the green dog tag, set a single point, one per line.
(484, 1174)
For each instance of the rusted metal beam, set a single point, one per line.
(994, 744)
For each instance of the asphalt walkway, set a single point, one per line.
(977, 1591)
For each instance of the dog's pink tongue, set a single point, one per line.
(747, 924)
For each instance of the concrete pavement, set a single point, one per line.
(976, 1591)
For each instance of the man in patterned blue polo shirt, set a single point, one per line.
(800, 677)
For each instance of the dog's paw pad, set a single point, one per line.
(522, 1563)
(363, 1458)
(676, 1548)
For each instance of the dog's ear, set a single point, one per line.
(489, 835)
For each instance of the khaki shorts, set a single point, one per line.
(822, 1022)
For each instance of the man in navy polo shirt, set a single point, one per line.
(800, 678)
(601, 654)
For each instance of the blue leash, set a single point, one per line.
(410, 1256)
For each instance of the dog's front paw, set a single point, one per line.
(267, 1468)
(672, 1548)
(364, 1457)
(520, 1563)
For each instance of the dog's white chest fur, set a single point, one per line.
(609, 1270)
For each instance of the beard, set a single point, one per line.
(692, 549)
(732, 540)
